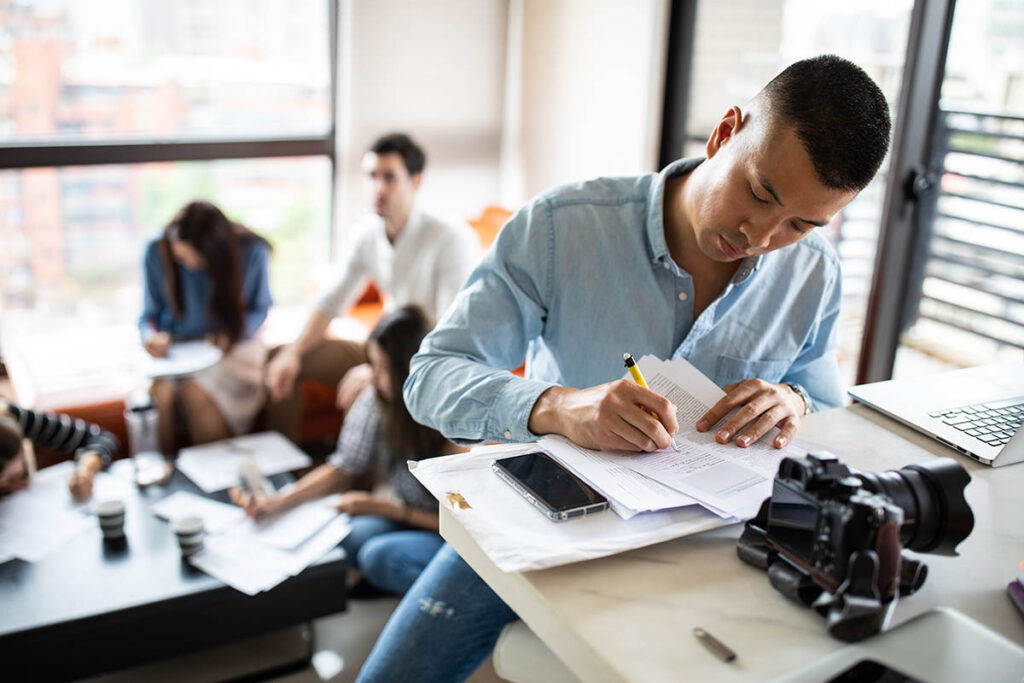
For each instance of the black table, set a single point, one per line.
(93, 606)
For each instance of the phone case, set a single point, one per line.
(553, 515)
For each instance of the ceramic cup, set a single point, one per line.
(189, 530)
(111, 517)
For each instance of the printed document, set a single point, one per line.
(214, 466)
(722, 477)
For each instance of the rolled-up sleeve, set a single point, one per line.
(459, 383)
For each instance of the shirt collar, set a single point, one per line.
(656, 217)
(412, 226)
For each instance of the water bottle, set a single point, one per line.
(140, 418)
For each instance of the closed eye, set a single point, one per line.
(754, 194)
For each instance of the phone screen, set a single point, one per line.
(539, 476)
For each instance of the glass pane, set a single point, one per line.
(971, 308)
(121, 69)
(740, 45)
(76, 234)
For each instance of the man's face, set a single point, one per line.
(393, 188)
(759, 192)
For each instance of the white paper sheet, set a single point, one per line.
(628, 491)
(36, 520)
(214, 466)
(724, 477)
(291, 528)
(517, 537)
(216, 516)
(183, 359)
(241, 560)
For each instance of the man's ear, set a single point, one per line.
(728, 126)
(416, 180)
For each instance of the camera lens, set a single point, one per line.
(936, 514)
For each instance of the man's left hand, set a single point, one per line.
(762, 405)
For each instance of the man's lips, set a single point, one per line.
(728, 249)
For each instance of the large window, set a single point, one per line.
(967, 308)
(129, 69)
(114, 113)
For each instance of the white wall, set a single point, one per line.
(592, 74)
(435, 70)
(509, 97)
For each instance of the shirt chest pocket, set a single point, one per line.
(730, 369)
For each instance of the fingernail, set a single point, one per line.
(702, 425)
(722, 435)
(781, 441)
(743, 440)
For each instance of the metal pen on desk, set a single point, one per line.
(714, 645)
(638, 377)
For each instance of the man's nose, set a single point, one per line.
(759, 235)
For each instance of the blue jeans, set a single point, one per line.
(389, 554)
(444, 628)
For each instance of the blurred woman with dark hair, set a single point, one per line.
(206, 278)
(391, 540)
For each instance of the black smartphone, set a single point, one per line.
(552, 489)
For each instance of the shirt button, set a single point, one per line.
(683, 296)
(665, 263)
(508, 434)
(654, 261)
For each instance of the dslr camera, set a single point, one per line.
(833, 539)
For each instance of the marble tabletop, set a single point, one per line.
(630, 617)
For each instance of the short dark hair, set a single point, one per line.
(401, 144)
(838, 113)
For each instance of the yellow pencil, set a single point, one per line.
(635, 373)
(638, 377)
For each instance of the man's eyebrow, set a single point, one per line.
(766, 184)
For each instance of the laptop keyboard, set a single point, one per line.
(992, 423)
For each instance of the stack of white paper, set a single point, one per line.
(36, 520)
(516, 537)
(727, 480)
(255, 556)
(216, 516)
(214, 466)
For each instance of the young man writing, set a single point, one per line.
(715, 260)
(412, 257)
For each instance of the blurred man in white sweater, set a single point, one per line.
(412, 257)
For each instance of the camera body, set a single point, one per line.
(833, 539)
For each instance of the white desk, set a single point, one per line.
(629, 617)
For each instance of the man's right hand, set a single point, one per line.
(158, 344)
(281, 373)
(612, 416)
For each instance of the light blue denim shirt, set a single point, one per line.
(581, 275)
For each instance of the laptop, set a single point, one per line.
(977, 411)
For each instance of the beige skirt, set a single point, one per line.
(236, 384)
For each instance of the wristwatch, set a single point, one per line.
(799, 391)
